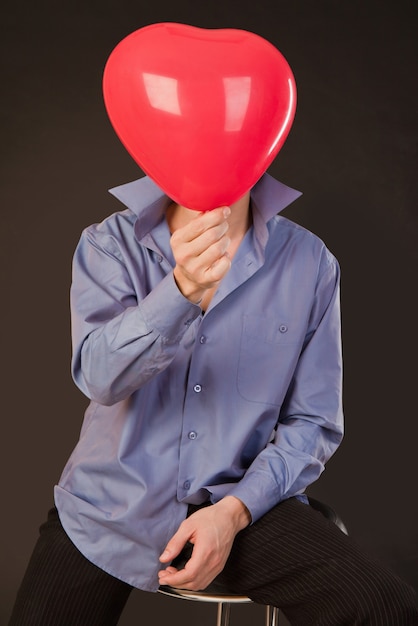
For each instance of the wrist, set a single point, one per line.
(189, 289)
(237, 510)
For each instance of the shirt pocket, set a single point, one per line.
(268, 354)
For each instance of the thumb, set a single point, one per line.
(175, 545)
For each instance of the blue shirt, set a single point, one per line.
(244, 400)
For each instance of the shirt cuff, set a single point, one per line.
(259, 492)
(166, 311)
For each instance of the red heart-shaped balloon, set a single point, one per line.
(203, 112)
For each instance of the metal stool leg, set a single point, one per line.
(272, 616)
(224, 612)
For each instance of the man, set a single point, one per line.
(209, 346)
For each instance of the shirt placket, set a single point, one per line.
(194, 425)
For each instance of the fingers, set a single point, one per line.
(200, 250)
(206, 221)
(198, 572)
(175, 545)
(209, 265)
(202, 241)
(215, 239)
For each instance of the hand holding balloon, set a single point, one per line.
(200, 251)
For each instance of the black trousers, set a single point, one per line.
(292, 558)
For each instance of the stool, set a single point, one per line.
(224, 599)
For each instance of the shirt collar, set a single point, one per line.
(148, 202)
(271, 196)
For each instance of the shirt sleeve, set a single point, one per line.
(121, 338)
(310, 425)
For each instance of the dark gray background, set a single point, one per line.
(351, 151)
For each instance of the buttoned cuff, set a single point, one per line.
(259, 492)
(166, 311)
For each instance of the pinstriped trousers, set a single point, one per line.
(292, 558)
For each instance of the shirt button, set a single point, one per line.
(188, 322)
(159, 258)
(192, 434)
(202, 339)
(197, 388)
(186, 484)
(283, 328)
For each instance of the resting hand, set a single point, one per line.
(212, 531)
(200, 252)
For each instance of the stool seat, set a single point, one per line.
(203, 596)
(223, 602)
